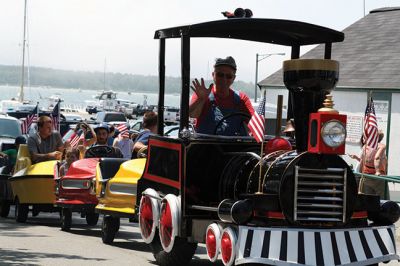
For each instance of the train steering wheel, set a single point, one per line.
(99, 152)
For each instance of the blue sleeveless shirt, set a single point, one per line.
(230, 126)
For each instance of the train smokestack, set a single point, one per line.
(308, 81)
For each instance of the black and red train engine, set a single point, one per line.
(296, 207)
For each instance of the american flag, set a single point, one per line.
(257, 121)
(29, 120)
(76, 137)
(370, 136)
(123, 130)
(55, 116)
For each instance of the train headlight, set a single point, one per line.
(333, 133)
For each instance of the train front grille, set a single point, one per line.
(320, 195)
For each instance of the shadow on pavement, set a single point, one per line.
(204, 262)
(10, 228)
(196, 260)
(23, 257)
(132, 245)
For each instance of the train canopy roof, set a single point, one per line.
(276, 31)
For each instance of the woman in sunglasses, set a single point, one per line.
(210, 105)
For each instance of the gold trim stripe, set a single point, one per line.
(310, 64)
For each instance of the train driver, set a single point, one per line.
(210, 105)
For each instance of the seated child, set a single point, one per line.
(11, 154)
(71, 156)
(81, 148)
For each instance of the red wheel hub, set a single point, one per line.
(211, 243)
(166, 228)
(146, 217)
(226, 247)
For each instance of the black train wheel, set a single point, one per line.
(180, 255)
(92, 218)
(4, 208)
(66, 219)
(21, 211)
(109, 229)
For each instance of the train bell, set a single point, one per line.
(289, 126)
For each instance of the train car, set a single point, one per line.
(298, 207)
(32, 186)
(116, 191)
(76, 190)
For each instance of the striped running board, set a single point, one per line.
(290, 246)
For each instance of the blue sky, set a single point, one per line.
(80, 34)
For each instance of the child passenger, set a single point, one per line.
(71, 156)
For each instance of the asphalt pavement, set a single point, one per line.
(40, 241)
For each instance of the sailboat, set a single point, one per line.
(13, 105)
(21, 92)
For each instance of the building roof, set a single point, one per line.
(369, 57)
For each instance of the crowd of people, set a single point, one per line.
(47, 144)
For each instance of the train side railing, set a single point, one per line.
(386, 178)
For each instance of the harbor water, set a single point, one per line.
(76, 97)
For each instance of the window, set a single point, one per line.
(115, 117)
(10, 128)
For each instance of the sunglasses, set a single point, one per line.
(224, 75)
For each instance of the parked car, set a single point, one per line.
(92, 109)
(171, 114)
(141, 109)
(136, 124)
(113, 118)
(127, 107)
(10, 128)
(26, 108)
(173, 130)
(73, 118)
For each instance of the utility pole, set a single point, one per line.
(260, 57)
(364, 7)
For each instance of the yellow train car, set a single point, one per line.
(117, 196)
(32, 185)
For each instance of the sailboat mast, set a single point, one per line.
(104, 73)
(21, 93)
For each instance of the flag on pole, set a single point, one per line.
(123, 130)
(55, 116)
(371, 134)
(257, 121)
(29, 120)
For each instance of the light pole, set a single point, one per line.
(260, 57)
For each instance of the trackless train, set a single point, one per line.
(285, 207)
(297, 207)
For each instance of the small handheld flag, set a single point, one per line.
(123, 130)
(257, 121)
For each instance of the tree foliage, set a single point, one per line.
(40, 76)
